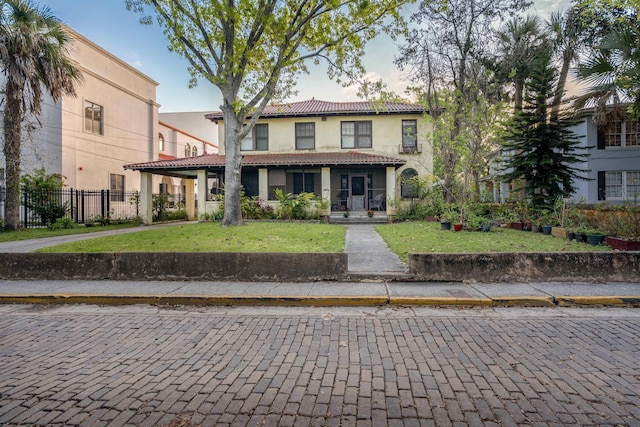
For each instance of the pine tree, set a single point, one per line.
(539, 152)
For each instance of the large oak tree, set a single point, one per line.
(253, 50)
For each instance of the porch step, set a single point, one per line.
(358, 217)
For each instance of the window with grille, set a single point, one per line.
(257, 139)
(409, 135)
(116, 188)
(305, 136)
(93, 118)
(356, 134)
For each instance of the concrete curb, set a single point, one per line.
(321, 301)
(633, 301)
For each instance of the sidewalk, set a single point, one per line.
(320, 293)
(368, 255)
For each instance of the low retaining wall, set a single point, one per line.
(528, 267)
(231, 266)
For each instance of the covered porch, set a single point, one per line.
(349, 181)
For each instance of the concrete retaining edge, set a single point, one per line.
(223, 266)
(528, 267)
(296, 267)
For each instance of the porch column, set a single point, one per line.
(203, 191)
(146, 197)
(326, 183)
(263, 184)
(190, 198)
(391, 187)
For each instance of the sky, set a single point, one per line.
(110, 25)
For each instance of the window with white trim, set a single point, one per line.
(187, 150)
(160, 142)
(621, 185)
(621, 134)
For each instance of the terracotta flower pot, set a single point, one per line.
(457, 227)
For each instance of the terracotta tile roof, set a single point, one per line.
(316, 107)
(349, 158)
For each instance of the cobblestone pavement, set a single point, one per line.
(148, 366)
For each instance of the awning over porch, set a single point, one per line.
(188, 166)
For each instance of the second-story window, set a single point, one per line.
(621, 134)
(257, 139)
(356, 134)
(93, 118)
(160, 142)
(305, 136)
(194, 151)
(409, 135)
(187, 150)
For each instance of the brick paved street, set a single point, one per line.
(148, 366)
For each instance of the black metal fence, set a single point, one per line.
(41, 207)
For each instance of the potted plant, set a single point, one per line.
(446, 217)
(473, 222)
(623, 228)
(581, 233)
(323, 206)
(595, 237)
(392, 206)
(370, 213)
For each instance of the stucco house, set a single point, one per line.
(350, 153)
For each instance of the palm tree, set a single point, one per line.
(613, 74)
(567, 38)
(33, 58)
(519, 42)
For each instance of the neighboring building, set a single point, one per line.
(614, 162)
(195, 124)
(612, 168)
(112, 121)
(351, 153)
(174, 143)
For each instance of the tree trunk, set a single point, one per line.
(232, 169)
(562, 81)
(518, 96)
(12, 140)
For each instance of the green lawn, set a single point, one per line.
(38, 233)
(403, 238)
(426, 237)
(210, 237)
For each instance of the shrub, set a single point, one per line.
(63, 224)
(293, 207)
(43, 195)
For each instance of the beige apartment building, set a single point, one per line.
(113, 121)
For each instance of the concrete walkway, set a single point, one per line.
(368, 252)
